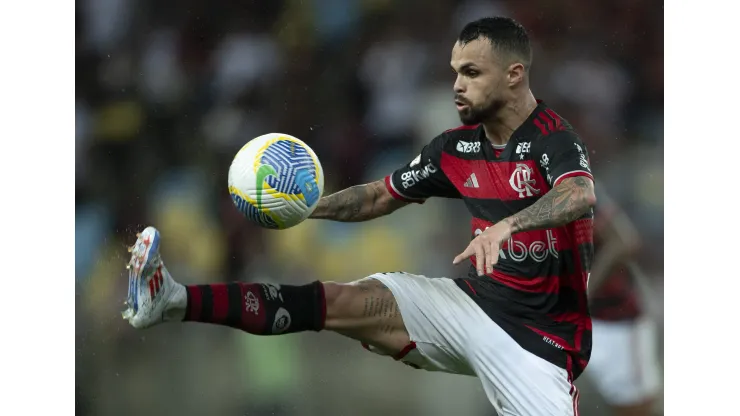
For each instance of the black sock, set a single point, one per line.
(259, 308)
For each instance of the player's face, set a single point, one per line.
(480, 85)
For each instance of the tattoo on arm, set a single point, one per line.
(357, 203)
(563, 204)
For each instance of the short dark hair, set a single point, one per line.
(505, 34)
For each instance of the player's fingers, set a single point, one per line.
(480, 258)
(464, 255)
(488, 257)
(494, 255)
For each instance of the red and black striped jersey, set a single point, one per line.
(537, 291)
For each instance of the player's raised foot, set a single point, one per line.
(153, 296)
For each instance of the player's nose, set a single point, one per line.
(458, 87)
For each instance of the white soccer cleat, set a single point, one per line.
(151, 289)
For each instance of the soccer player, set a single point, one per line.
(519, 321)
(624, 365)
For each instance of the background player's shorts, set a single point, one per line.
(624, 363)
(450, 333)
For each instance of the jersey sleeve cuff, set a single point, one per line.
(399, 196)
(572, 174)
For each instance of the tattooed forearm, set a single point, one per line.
(563, 204)
(358, 203)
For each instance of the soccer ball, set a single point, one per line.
(276, 181)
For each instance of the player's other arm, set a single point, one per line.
(620, 240)
(358, 203)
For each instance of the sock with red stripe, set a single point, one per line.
(258, 308)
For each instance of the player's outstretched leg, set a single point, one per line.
(366, 311)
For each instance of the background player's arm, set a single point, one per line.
(620, 240)
(358, 203)
(565, 203)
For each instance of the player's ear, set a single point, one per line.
(516, 73)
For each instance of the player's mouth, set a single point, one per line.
(460, 105)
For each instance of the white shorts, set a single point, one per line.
(450, 333)
(624, 364)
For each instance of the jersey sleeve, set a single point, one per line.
(422, 178)
(563, 155)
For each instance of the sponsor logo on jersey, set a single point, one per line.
(468, 147)
(583, 158)
(538, 251)
(523, 148)
(415, 176)
(553, 343)
(472, 182)
(415, 162)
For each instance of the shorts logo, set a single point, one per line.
(468, 147)
(521, 181)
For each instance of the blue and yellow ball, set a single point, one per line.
(276, 181)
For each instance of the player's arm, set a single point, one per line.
(413, 182)
(620, 240)
(565, 203)
(358, 203)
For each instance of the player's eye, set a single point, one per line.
(472, 74)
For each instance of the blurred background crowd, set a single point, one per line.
(168, 90)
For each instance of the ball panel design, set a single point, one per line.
(276, 180)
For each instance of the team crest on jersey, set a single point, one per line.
(521, 181)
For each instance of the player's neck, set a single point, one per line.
(509, 118)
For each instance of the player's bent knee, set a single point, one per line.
(365, 311)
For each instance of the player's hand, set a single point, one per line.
(485, 247)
